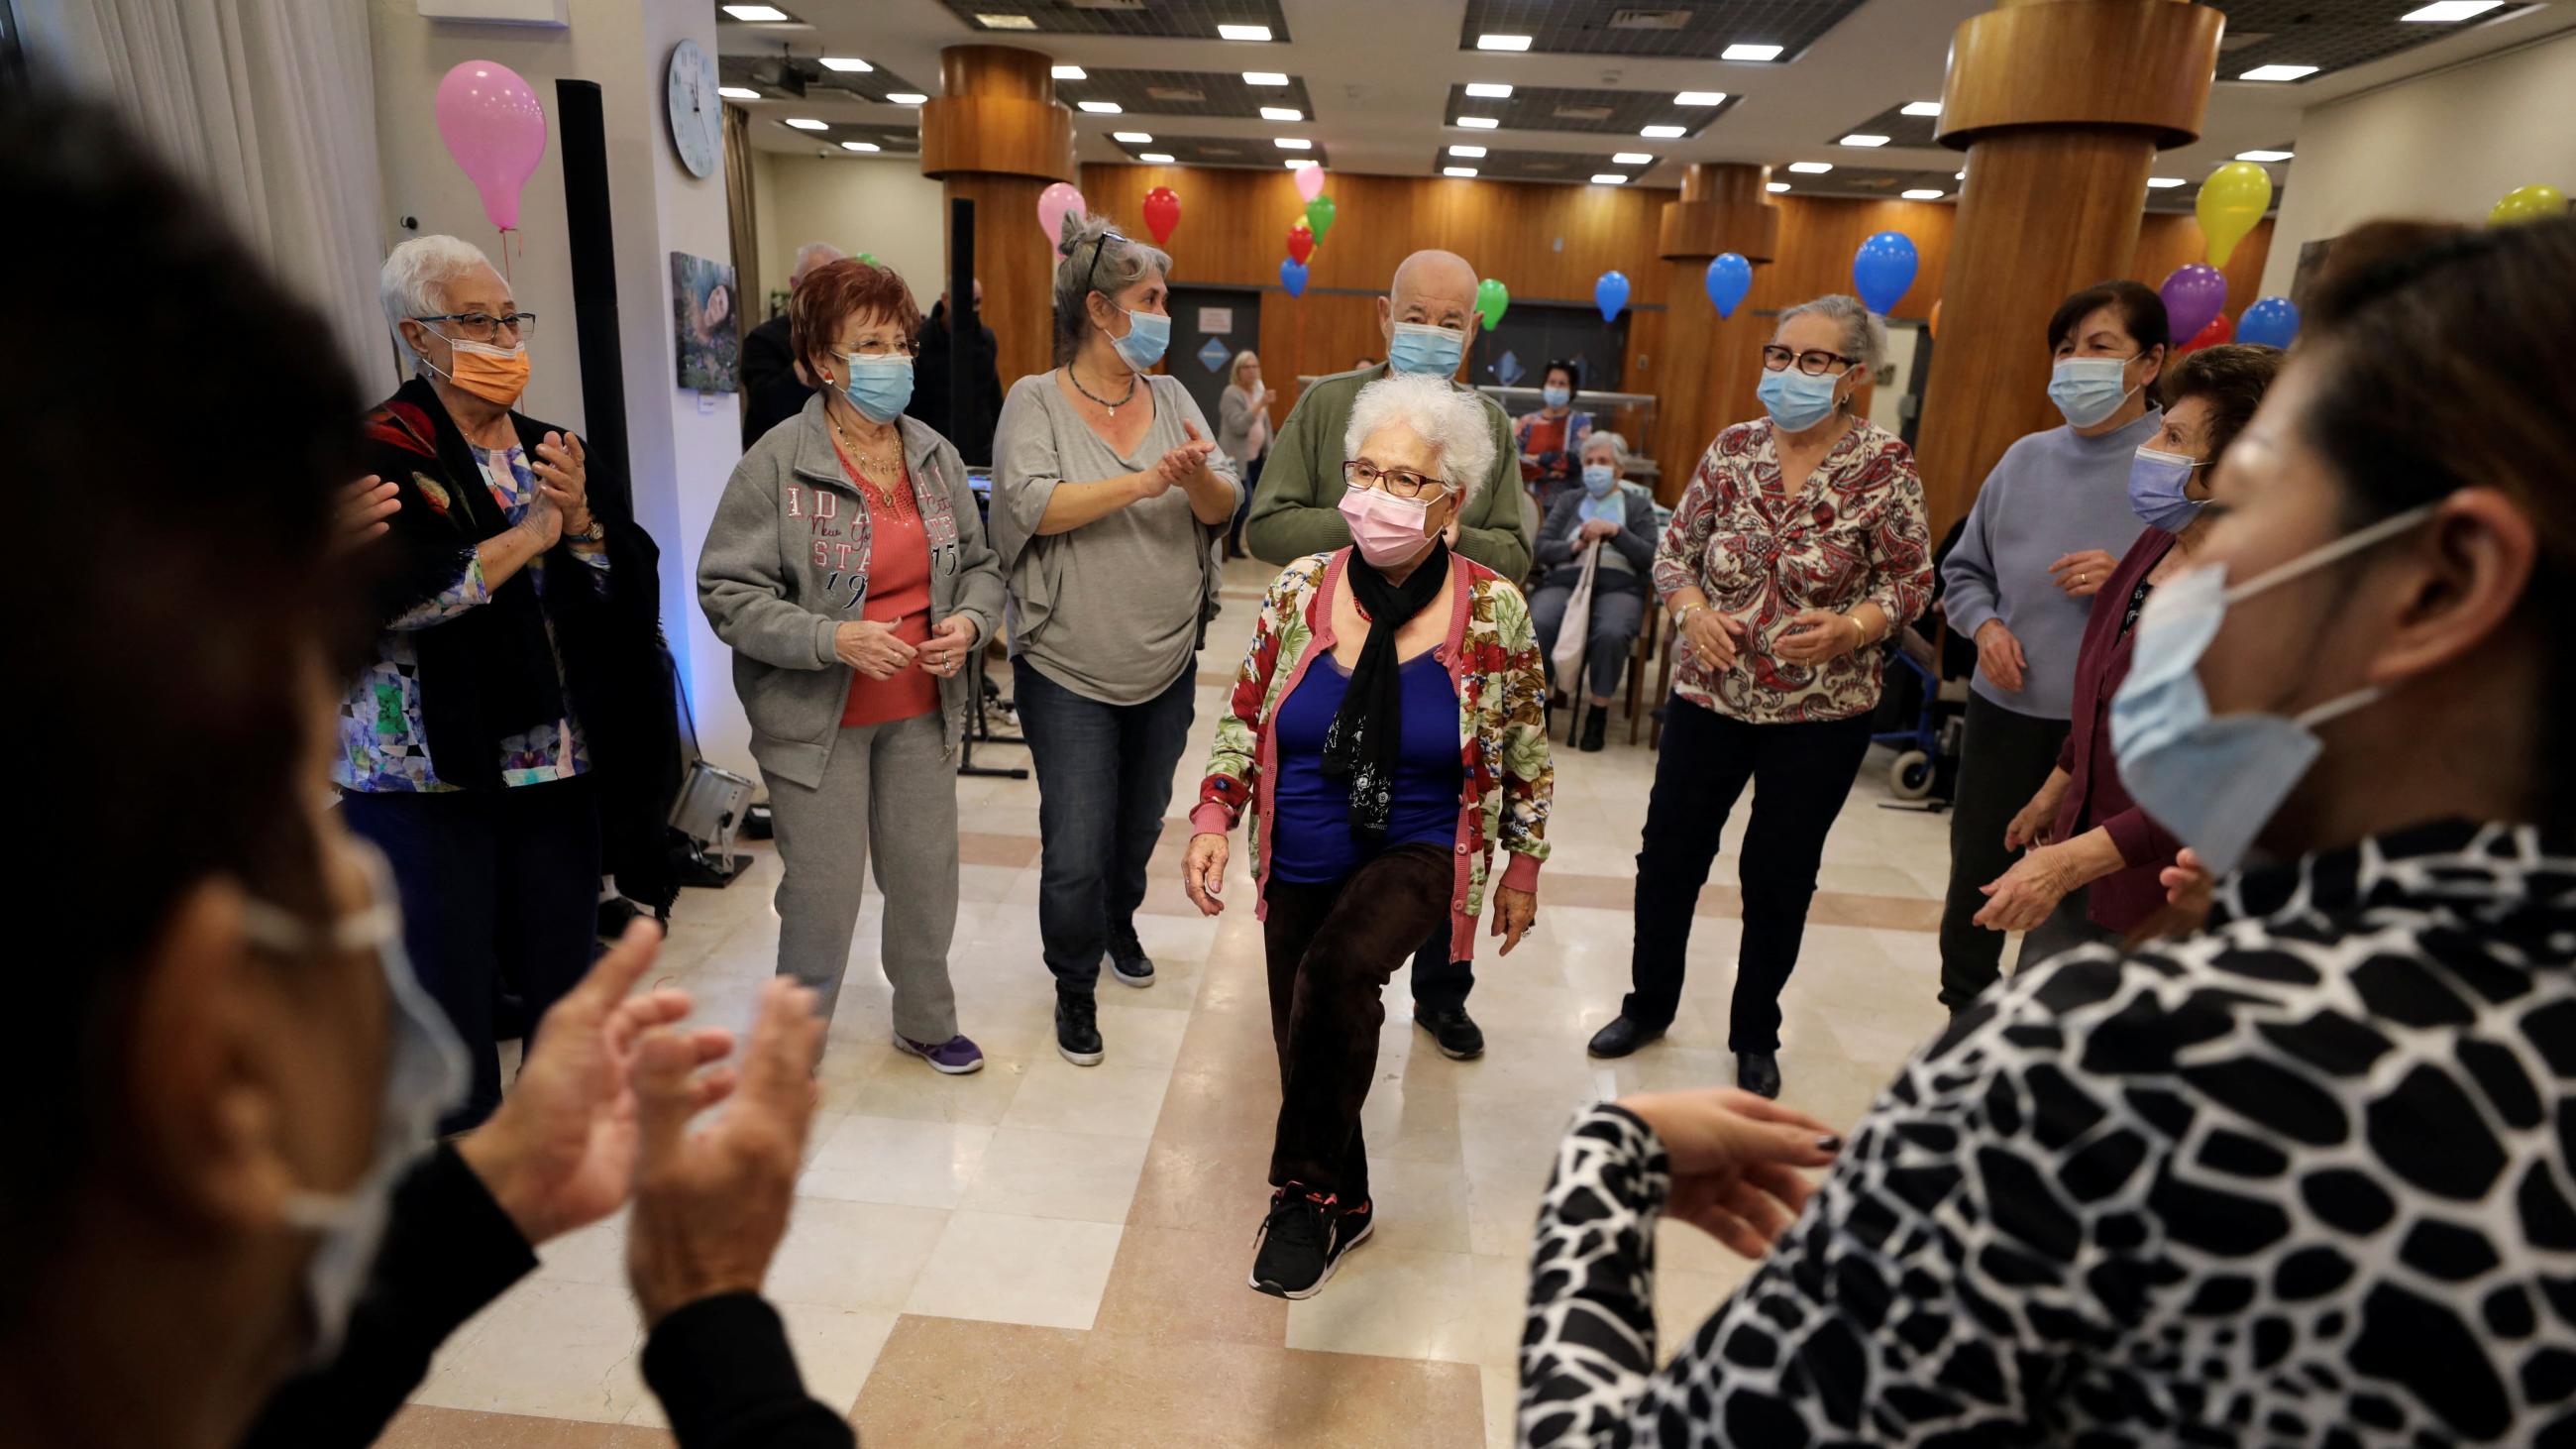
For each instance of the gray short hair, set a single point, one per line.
(810, 256)
(1096, 260)
(1864, 336)
(413, 281)
(1451, 419)
(1618, 445)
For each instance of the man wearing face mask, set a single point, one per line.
(511, 733)
(1429, 318)
(2044, 536)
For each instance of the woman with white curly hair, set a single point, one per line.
(1388, 730)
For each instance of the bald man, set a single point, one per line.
(771, 391)
(1429, 317)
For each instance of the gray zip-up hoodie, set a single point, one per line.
(786, 564)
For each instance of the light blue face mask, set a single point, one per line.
(1431, 351)
(2216, 780)
(2156, 483)
(2088, 389)
(1149, 334)
(1555, 396)
(1795, 400)
(1599, 479)
(879, 387)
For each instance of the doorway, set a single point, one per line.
(1209, 326)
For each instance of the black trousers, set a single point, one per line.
(1801, 774)
(2004, 758)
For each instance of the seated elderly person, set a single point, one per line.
(1387, 728)
(1614, 519)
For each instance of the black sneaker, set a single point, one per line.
(1758, 1073)
(1356, 1225)
(1077, 1030)
(1128, 961)
(1595, 725)
(1452, 1030)
(1300, 1243)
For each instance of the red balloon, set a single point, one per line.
(2219, 330)
(1162, 213)
(1301, 242)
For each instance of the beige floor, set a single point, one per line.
(1044, 1254)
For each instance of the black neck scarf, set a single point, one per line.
(1368, 730)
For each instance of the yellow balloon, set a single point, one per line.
(2528, 203)
(2231, 201)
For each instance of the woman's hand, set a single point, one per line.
(2082, 575)
(1594, 530)
(948, 645)
(361, 511)
(1734, 1159)
(1712, 636)
(1514, 913)
(563, 475)
(2025, 894)
(1817, 635)
(1203, 872)
(1179, 465)
(871, 648)
(2032, 823)
(2187, 883)
(1999, 655)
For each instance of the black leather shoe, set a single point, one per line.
(1077, 1030)
(1595, 726)
(1621, 1037)
(1452, 1030)
(1128, 961)
(1758, 1073)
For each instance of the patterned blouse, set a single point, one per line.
(383, 746)
(1856, 532)
(2304, 1178)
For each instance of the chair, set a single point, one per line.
(1647, 639)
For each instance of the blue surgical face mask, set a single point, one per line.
(1148, 334)
(1555, 396)
(879, 387)
(2216, 780)
(2156, 483)
(2088, 389)
(1432, 351)
(1599, 479)
(1795, 400)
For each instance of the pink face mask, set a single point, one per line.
(1386, 529)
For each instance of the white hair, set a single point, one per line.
(1864, 337)
(414, 281)
(1451, 419)
(810, 256)
(1618, 445)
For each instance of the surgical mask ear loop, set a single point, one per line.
(2342, 548)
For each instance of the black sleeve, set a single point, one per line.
(448, 1250)
(725, 1376)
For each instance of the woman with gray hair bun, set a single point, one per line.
(1108, 496)
(1388, 729)
(1798, 547)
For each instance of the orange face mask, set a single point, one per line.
(495, 374)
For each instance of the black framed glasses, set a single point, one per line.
(1402, 482)
(484, 327)
(1814, 362)
(1112, 234)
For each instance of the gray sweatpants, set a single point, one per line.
(891, 787)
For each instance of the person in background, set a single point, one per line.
(1428, 316)
(514, 710)
(1616, 518)
(1243, 434)
(1550, 441)
(1108, 498)
(2304, 1177)
(846, 567)
(1800, 545)
(970, 428)
(2041, 540)
(2093, 861)
(771, 391)
(230, 1223)
(1387, 728)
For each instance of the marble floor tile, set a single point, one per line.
(852, 1255)
(1047, 1272)
(551, 1349)
(1114, 1099)
(892, 1160)
(1044, 1174)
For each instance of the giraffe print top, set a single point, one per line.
(2302, 1179)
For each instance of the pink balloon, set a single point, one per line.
(495, 129)
(1057, 202)
(1310, 181)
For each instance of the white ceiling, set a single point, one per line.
(1379, 74)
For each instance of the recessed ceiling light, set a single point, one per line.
(905, 98)
(1609, 178)
(2163, 183)
(1005, 22)
(805, 123)
(1922, 108)
(738, 93)
(1468, 151)
(1132, 138)
(1102, 108)
(1159, 158)
(2278, 72)
(755, 13)
(846, 63)
(1457, 170)
(1061, 72)
(1292, 143)
(1502, 42)
(1282, 113)
(1478, 123)
(1264, 78)
(1858, 138)
(2442, 10)
(1750, 52)
(1700, 98)
(1961, 175)
(1663, 133)
(1923, 193)
(2263, 155)
(1811, 168)
(1632, 158)
(861, 146)
(1777, 186)
(1243, 32)
(1489, 90)
(1300, 163)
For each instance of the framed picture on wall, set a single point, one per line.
(704, 327)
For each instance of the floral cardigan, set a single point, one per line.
(1493, 660)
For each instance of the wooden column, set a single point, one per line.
(1706, 359)
(998, 137)
(2061, 106)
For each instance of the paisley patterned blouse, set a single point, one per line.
(1855, 532)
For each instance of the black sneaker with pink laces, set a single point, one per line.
(1302, 1241)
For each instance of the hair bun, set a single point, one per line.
(1076, 229)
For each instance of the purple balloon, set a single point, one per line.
(495, 129)
(2193, 294)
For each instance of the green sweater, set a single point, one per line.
(1297, 509)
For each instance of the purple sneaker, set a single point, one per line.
(956, 1056)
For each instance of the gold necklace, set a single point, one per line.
(887, 461)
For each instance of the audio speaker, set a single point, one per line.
(590, 236)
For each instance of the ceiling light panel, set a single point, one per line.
(1061, 72)
(1243, 32)
(1632, 158)
(1458, 171)
(757, 14)
(1199, 20)
(1669, 30)
(1214, 93)
(738, 93)
(1281, 113)
(1502, 42)
(1489, 91)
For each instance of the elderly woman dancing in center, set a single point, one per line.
(1388, 729)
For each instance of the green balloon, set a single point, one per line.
(1319, 217)
(871, 259)
(1491, 298)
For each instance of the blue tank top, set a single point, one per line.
(1310, 840)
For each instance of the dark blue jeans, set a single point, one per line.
(1104, 780)
(495, 885)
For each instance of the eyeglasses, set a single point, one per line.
(882, 350)
(1814, 362)
(1402, 482)
(484, 327)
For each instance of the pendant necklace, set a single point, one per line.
(1076, 379)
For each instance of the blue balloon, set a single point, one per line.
(2272, 321)
(1729, 277)
(1292, 275)
(1883, 269)
(1610, 294)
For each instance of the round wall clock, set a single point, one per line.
(697, 112)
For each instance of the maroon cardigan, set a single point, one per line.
(2124, 899)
